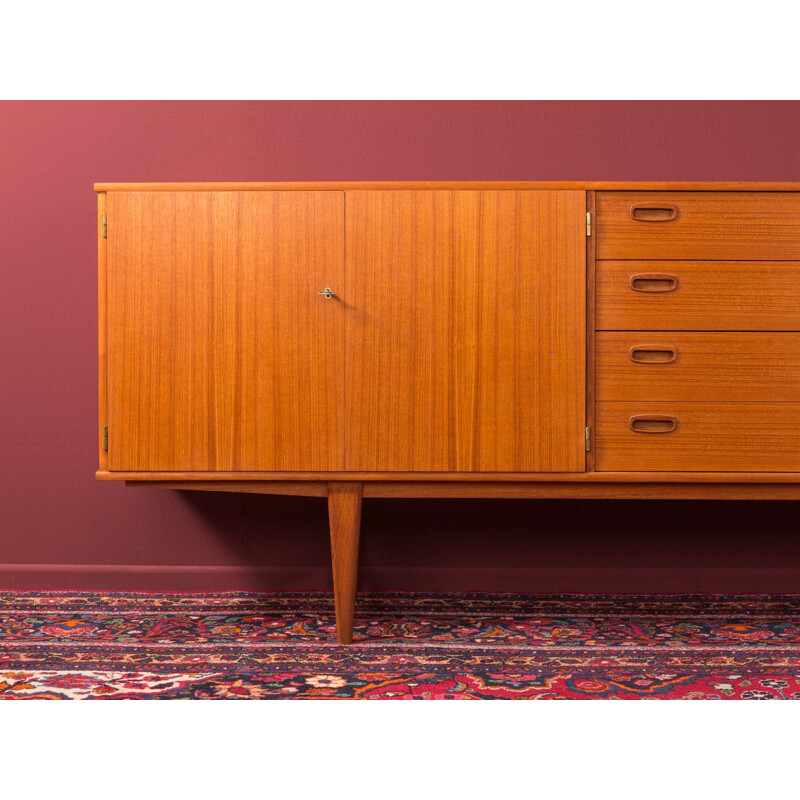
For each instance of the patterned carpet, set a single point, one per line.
(408, 646)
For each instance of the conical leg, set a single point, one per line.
(344, 517)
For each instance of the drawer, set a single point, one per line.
(698, 295)
(681, 366)
(715, 437)
(722, 225)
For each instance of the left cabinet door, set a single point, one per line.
(222, 355)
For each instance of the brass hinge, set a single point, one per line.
(105, 226)
(588, 439)
(105, 438)
(588, 223)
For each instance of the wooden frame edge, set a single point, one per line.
(642, 478)
(298, 488)
(242, 186)
(586, 491)
(591, 335)
(500, 490)
(102, 332)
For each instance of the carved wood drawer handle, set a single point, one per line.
(654, 282)
(653, 353)
(653, 212)
(653, 423)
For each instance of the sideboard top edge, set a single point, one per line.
(475, 477)
(730, 186)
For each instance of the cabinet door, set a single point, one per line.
(466, 330)
(221, 354)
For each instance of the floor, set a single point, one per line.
(78, 645)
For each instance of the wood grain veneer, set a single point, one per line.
(713, 366)
(306, 186)
(221, 355)
(707, 225)
(344, 514)
(711, 295)
(591, 336)
(583, 478)
(466, 330)
(102, 336)
(716, 437)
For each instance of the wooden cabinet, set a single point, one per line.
(351, 340)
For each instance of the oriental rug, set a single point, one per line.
(122, 645)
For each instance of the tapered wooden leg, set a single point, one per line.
(344, 517)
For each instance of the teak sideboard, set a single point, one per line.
(450, 339)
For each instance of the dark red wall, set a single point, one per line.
(59, 528)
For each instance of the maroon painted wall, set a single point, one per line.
(59, 528)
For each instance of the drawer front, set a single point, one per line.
(681, 366)
(698, 295)
(715, 437)
(723, 225)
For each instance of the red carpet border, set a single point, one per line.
(84, 645)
